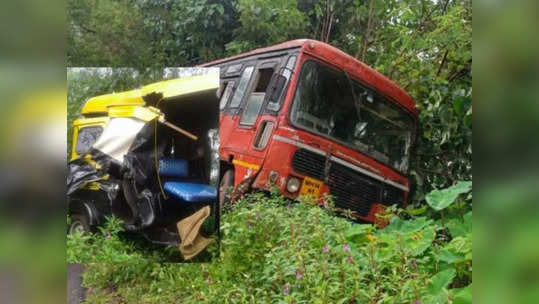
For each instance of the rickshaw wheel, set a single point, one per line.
(79, 223)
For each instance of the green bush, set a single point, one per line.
(276, 251)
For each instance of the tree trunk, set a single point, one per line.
(367, 33)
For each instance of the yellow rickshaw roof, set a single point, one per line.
(170, 89)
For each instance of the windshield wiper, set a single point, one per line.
(356, 101)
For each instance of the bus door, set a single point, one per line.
(254, 105)
(249, 97)
(235, 88)
(264, 102)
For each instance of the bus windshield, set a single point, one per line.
(329, 103)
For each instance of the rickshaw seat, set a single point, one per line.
(173, 167)
(191, 192)
(180, 185)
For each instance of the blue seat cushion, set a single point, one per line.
(191, 192)
(173, 167)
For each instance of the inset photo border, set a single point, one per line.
(143, 164)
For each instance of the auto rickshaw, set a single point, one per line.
(149, 156)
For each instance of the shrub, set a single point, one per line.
(274, 251)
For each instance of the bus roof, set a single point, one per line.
(351, 65)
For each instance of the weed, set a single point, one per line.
(273, 250)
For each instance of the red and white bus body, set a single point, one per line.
(263, 140)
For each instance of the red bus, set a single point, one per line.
(308, 118)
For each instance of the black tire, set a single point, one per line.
(80, 223)
(227, 181)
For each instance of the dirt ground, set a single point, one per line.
(75, 291)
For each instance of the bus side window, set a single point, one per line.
(286, 72)
(228, 86)
(256, 98)
(86, 138)
(242, 87)
(232, 70)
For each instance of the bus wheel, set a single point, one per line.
(227, 182)
(79, 223)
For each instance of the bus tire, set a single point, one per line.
(227, 181)
(79, 223)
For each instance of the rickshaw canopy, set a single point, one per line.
(171, 90)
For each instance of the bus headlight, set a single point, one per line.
(292, 185)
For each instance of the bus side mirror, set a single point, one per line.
(359, 130)
(275, 89)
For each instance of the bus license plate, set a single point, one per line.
(310, 186)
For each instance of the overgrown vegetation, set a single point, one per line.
(275, 251)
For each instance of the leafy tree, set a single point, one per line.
(429, 55)
(189, 31)
(107, 33)
(148, 32)
(266, 22)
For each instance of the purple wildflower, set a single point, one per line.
(299, 275)
(325, 249)
(346, 248)
(108, 235)
(286, 289)
(350, 259)
(417, 302)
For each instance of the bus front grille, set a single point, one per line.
(391, 196)
(351, 189)
(309, 163)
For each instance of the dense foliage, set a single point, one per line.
(422, 45)
(273, 251)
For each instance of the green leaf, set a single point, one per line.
(416, 211)
(440, 281)
(462, 295)
(450, 257)
(459, 227)
(357, 229)
(441, 199)
(408, 226)
(461, 104)
(421, 241)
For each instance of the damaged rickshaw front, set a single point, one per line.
(149, 157)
